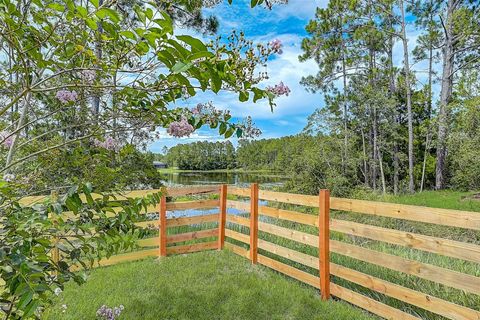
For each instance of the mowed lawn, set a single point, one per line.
(205, 285)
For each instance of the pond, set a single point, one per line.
(266, 179)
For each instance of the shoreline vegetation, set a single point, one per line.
(236, 170)
(445, 199)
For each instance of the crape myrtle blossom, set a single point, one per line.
(6, 139)
(276, 46)
(88, 76)
(109, 143)
(207, 109)
(179, 129)
(8, 177)
(106, 313)
(279, 89)
(209, 112)
(66, 96)
(249, 129)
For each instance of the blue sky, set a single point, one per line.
(287, 23)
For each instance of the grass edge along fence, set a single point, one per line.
(443, 276)
(322, 263)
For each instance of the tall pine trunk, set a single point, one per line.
(429, 114)
(406, 64)
(445, 96)
(98, 56)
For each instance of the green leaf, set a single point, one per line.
(128, 34)
(82, 12)
(181, 67)
(110, 13)
(57, 7)
(95, 3)
(223, 128)
(257, 94)
(149, 13)
(229, 133)
(239, 133)
(25, 300)
(200, 54)
(31, 308)
(216, 82)
(193, 42)
(92, 24)
(243, 96)
(253, 3)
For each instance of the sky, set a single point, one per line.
(284, 22)
(287, 23)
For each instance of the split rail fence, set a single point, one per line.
(240, 234)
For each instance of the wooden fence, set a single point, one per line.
(467, 283)
(244, 234)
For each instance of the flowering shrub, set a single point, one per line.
(279, 89)
(106, 313)
(180, 128)
(66, 96)
(276, 46)
(6, 139)
(109, 143)
(30, 234)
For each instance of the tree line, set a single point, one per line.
(202, 155)
(388, 115)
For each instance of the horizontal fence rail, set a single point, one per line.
(203, 227)
(463, 251)
(269, 228)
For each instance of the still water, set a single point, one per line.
(267, 179)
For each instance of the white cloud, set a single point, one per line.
(286, 68)
(302, 9)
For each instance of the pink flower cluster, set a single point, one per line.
(6, 139)
(88, 76)
(180, 128)
(276, 46)
(109, 143)
(197, 109)
(66, 96)
(279, 89)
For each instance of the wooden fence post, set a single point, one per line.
(324, 243)
(162, 223)
(222, 219)
(254, 223)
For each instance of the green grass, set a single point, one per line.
(447, 199)
(206, 285)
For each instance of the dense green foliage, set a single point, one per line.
(31, 234)
(207, 285)
(84, 87)
(309, 162)
(202, 156)
(78, 76)
(393, 132)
